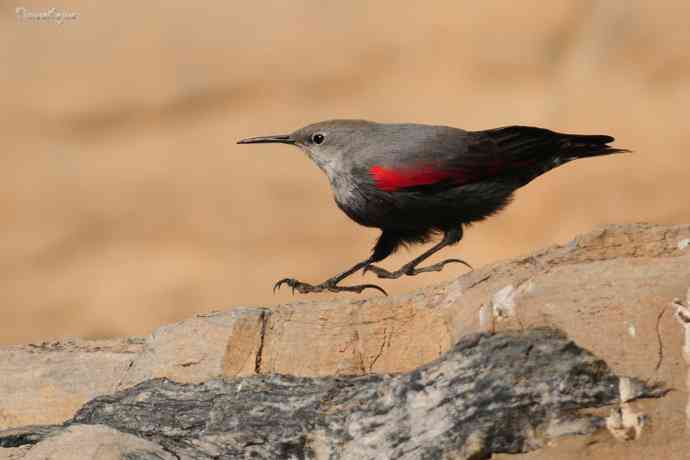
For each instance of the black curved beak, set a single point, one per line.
(281, 139)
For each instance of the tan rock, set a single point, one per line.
(44, 383)
(90, 442)
(50, 381)
(610, 290)
(197, 349)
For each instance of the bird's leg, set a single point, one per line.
(385, 245)
(331, 284)
(410, 268)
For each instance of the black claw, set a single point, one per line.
(362, 287)
(280, 283)
(460, 261)
(383, 291)
(442, 264)
(295, 285)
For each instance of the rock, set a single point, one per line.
(90, 442)
(49, 381)
(609, 291)
(508, 392)
(73, 371)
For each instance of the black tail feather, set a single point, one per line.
(555, 149)
(575, 146)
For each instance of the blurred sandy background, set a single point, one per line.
(125, 203)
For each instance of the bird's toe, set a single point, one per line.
(357, 288)
(302, 288)
(280, 283)
(438, 267)
(380, 272)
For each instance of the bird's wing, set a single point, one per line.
(517, 152)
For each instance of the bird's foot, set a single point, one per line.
(411, 270)
(329, 285)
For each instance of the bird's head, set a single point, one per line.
(327, 143)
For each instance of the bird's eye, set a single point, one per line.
(318, 138)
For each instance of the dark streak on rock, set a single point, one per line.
(660, 343)
(500, 393)
(260, 350)
(380, 352)
(17, 437)
(476, 283)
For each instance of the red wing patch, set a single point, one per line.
(390, 180)
(395, 179)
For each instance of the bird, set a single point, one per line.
(416, 181)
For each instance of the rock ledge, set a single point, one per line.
(556, 354)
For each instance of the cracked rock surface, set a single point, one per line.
(509, 392)
(609, 291)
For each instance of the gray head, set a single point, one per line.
(327, 143)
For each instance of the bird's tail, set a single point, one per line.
(575, 146)
(565, 148)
